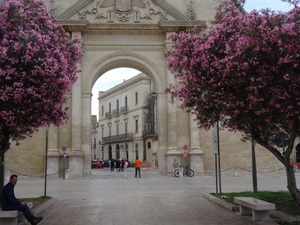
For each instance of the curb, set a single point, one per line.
(221, 202)
(45, 205)
(275, 213)
(283, 216)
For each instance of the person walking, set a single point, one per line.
(138, 164)
(122, 164)
(9, 202)
(112, 165)
(175, 166)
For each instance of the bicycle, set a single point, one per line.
(186, 172)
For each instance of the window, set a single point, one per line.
(102, 130)
(136, 126)
(126, 102)
(102, 111)
(136, 149)
(109, 130)
(149, 144)
(126, 128)
(117, 106)
(117, 127)
(94, 142)
(136, 98)
(109, 107)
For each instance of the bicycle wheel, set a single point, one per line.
(189, 173)
(176, 173)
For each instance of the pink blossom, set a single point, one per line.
(33, 86)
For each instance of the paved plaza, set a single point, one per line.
(108, 198)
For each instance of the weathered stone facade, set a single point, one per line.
(131, 33)
(127, 121)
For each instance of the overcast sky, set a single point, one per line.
(116, 76)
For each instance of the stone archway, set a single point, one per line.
(143, 64)
(137, 38)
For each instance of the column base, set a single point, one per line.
(196, 161)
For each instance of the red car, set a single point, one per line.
(97, 164)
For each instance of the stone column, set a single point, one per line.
(172, 149)
(53, 153)
(86, 132)
(76, 154)
(196, 154)
(162, 131)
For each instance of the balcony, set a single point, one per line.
(107, 114)
(149, 133)
(115, 112)
(124, 109)
(117, 138)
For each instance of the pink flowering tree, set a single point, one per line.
(244, 72)
(37, 68)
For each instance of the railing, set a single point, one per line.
(108, 114)
(117, 137)
(124, 109)
(115, 112)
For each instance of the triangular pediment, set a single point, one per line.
(122, 11)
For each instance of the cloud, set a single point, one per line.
(109, 80)
(263, 4)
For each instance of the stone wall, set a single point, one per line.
(235, 153)
(27, 159)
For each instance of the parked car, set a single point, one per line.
(106, 163)
(97, 164)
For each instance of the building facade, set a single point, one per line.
(132, 34)
(127, 120)
(95, 150)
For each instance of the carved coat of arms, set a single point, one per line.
(123, 6)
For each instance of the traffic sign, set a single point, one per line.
(185, 154)
(64, 148)
(185, 147)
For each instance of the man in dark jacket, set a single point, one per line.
(112, 165)
(9, 202)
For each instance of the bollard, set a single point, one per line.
(67, 174)
(6, 175)
(236, 173)
(180, 171)
(125, 172)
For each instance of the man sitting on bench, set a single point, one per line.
(9, 202)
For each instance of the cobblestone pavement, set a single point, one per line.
(108, 198)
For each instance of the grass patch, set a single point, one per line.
(36, 201)
(283, 200)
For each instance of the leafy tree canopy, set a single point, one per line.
(37, 67)
(244, 71)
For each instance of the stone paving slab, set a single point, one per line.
(109, 199)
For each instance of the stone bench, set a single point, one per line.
(13, 217)
(257, 208)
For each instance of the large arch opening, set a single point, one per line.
(126, 110)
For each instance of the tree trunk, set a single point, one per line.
(284, 158)
(4, 146)
(1, 170)
(291, 182)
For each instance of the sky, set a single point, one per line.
(117, 76)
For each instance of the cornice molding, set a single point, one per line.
(73, 9)
(174, 26)
(80, 4)
(171, 10)
(124, 84)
